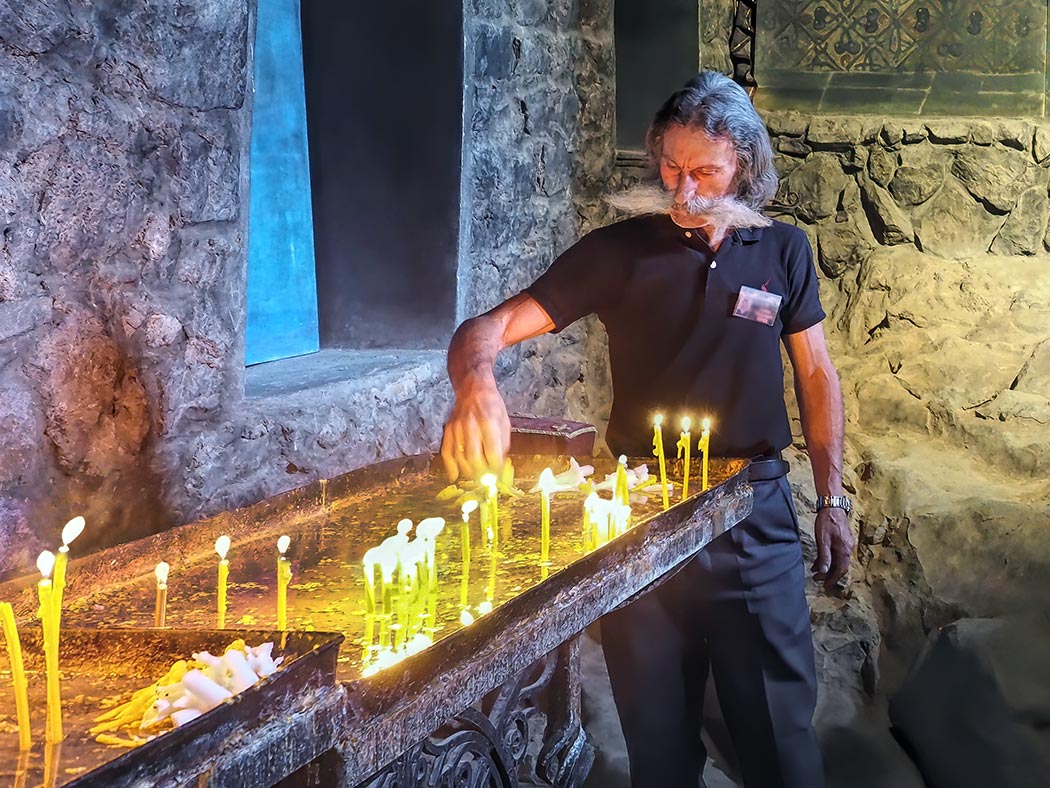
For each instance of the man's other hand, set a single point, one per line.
(477, 436)
(835, 543)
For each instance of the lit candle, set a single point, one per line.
(368, 565)
(464, 543)
(546, 483)
(658, 450)
(622, 490)
(46, 563)
(704, 446)
(684, 445)
(160, 609)
(18, 675)
(284, 577)
(387, 566)
(70, 531)
(222, 547)
(488, 481)
(590, 527)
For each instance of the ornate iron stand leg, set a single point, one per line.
(487, 745)
(742, 45)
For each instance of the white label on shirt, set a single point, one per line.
(758, 305)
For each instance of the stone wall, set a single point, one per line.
(123, 202)
(930, 238)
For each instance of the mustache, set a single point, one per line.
(727, 211)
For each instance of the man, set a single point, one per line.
(666, 285)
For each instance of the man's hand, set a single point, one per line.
(477, 435)
(835, 543)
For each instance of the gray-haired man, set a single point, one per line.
(671, 286)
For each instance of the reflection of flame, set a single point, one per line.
(282, 544)
(222, 546)
(72, 530)
(45, 562)
(161, 573)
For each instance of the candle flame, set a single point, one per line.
(465, 618)
(686, 423)
(371, 557)
(485, 607)
(222, 546)
(622, 459)
(546, 481)
(469, 507)
(45, 562)
(489, 480)
(404, 526)
(658, 420)
(706, 424)
(282, 543)
(161, 573)
(72, 530)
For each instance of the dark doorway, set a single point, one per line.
(657, 51)
(384, 97)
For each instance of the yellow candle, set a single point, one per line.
(488, 481)
(704, 446)
(658, 450)
(222, 547)
(284, 577)
(621, 491)
(18, 675)
(46, 563)
(70, 531)
(546, 484)
(160, 610)
(368, 566)
(684, 445)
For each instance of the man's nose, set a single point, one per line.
(685, 190)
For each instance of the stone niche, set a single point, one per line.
(123, 218)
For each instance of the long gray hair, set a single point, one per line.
(712, 102)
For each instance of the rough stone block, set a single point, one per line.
(789, 123)
(948, 132)
(818, 183)
(882, 164)
(494, 52)
(835, 132)
(22, 316)
(952, 224)
(1041, 143)
(889, 223)
(996, 176)
(1026, 225)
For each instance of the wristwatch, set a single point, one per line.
(835, 502)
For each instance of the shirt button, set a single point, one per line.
(688, 235)
(714, 264)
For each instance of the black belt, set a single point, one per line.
(766, 468)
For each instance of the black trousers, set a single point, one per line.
(739, 610)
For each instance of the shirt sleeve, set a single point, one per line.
(585, 279)
(802, 309)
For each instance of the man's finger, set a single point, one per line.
(839, 567)
(492, 446)
(448, 454)
(823, 562)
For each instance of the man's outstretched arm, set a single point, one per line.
(820, 407)
(477, 434)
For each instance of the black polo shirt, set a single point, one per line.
(675, 347)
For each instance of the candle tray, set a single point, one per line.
(107, 665)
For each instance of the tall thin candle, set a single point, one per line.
(160, 610)
(546, 483)
(46, 563)
(284, 577)
(685, 443)
(704, 446)
(18, 675)
(658, 450)
(70, 531)
(222, 547)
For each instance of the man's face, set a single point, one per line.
(693, 164)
